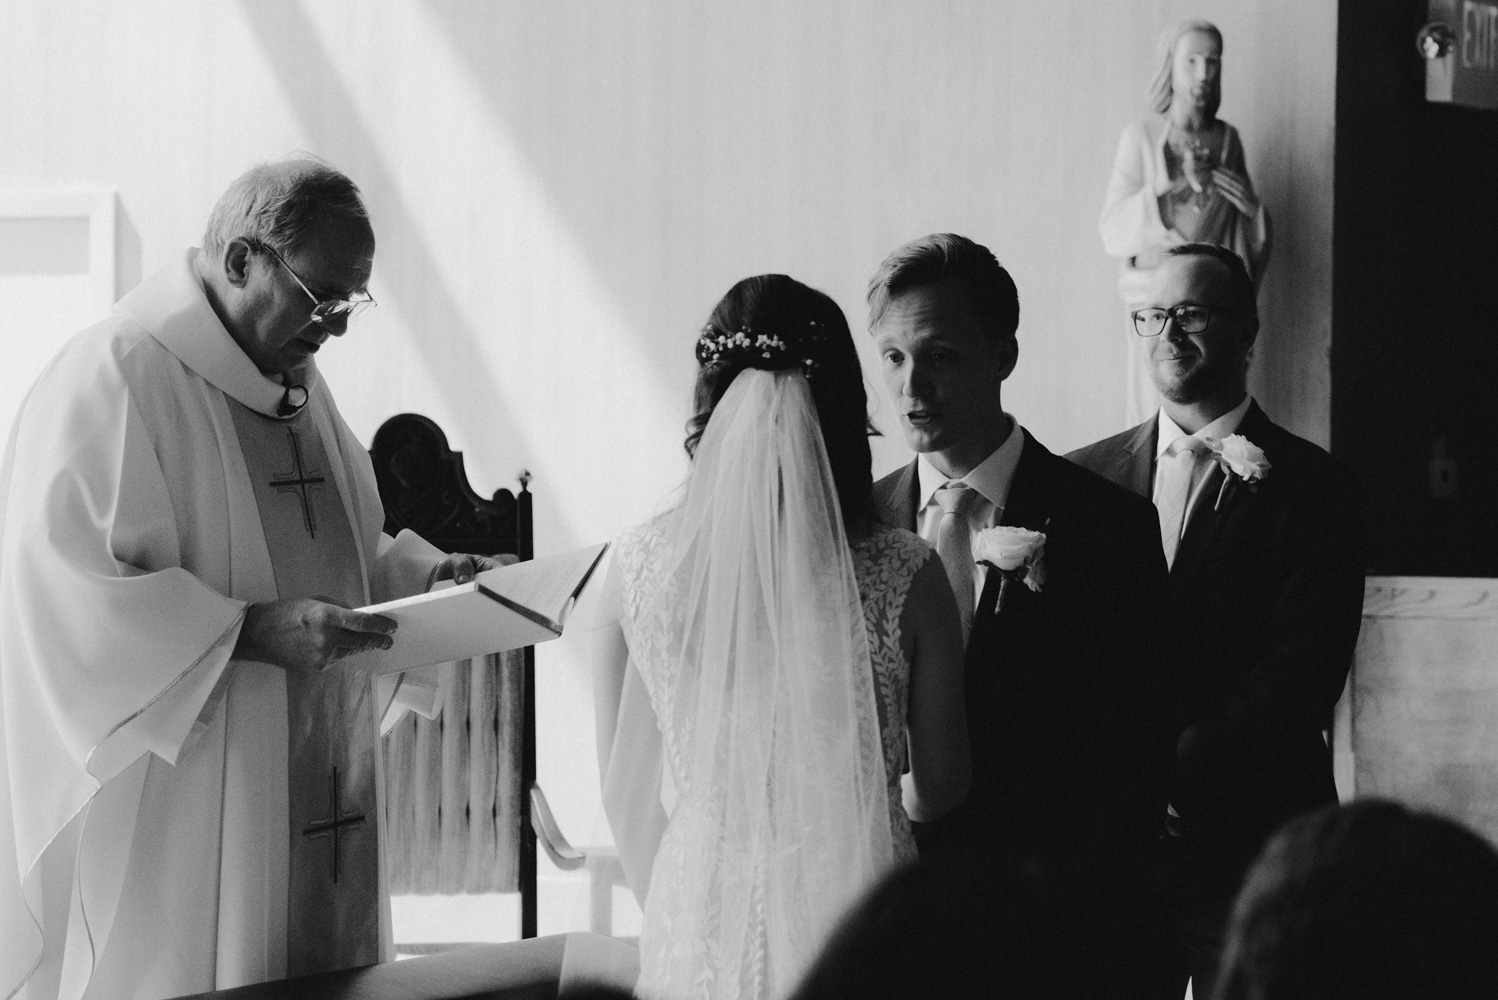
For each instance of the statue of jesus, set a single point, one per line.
(1179, 177)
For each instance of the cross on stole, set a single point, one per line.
(297, 482)
(336, 825)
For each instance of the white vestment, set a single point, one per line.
(143, 773)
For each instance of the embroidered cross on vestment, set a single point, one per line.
(299, 482)
(337, 823)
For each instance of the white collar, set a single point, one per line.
(173, 308)
(991, 477)
(1170, 431)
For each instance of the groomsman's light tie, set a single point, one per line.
(955, 546)
(1177, 476)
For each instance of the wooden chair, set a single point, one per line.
(457, 819)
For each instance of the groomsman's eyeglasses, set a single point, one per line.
(324, 310)
(1188, 319)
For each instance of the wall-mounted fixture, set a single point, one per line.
(1460, 47)
(57, 276)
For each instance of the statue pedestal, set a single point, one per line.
(1419, 722)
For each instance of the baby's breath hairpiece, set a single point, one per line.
(715, 347)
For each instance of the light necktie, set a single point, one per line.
(1177, 476)
(954, 545)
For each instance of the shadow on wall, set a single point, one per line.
(619, 144)
(448, 345)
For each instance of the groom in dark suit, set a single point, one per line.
(1263, 537)
(1066, 685)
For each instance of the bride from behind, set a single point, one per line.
(773, 662)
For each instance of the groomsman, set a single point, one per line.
(1262, 532)
(1065, 683)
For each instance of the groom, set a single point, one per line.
(1066, 685)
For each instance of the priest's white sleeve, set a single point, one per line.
(404, 566)
(109, 645)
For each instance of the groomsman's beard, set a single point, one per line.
(1199, 384)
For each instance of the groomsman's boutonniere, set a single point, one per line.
(1242, 461)
(1017, 553)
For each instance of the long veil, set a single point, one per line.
(768, 709)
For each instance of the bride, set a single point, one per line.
(773, 662)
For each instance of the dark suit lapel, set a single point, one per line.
(900, 506)
(1027, 506)
(1209, 516)
(1136, 463)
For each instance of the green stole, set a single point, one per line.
(333, 904)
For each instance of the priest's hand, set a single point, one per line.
(461, 568)
(308, 633)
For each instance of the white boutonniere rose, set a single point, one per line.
(1242, 461)
(1017, 554)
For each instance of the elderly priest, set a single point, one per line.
(190, 787)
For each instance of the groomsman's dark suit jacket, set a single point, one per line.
(1065, 687)
(1268, 591)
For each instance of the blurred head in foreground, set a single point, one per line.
(941, 929)
(1369, 901)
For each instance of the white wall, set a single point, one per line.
(57, 275)
(562, 190)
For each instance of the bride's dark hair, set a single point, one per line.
(774, 322)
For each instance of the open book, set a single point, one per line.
(505, 608)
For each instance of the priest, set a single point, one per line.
(189, 783)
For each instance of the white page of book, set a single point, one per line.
(453, 623)
(546, 586)
(505, 608)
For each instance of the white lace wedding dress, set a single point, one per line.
(884, 564)
(766, 651)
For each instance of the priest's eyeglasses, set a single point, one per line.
(1188, 319)
(325, 310)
